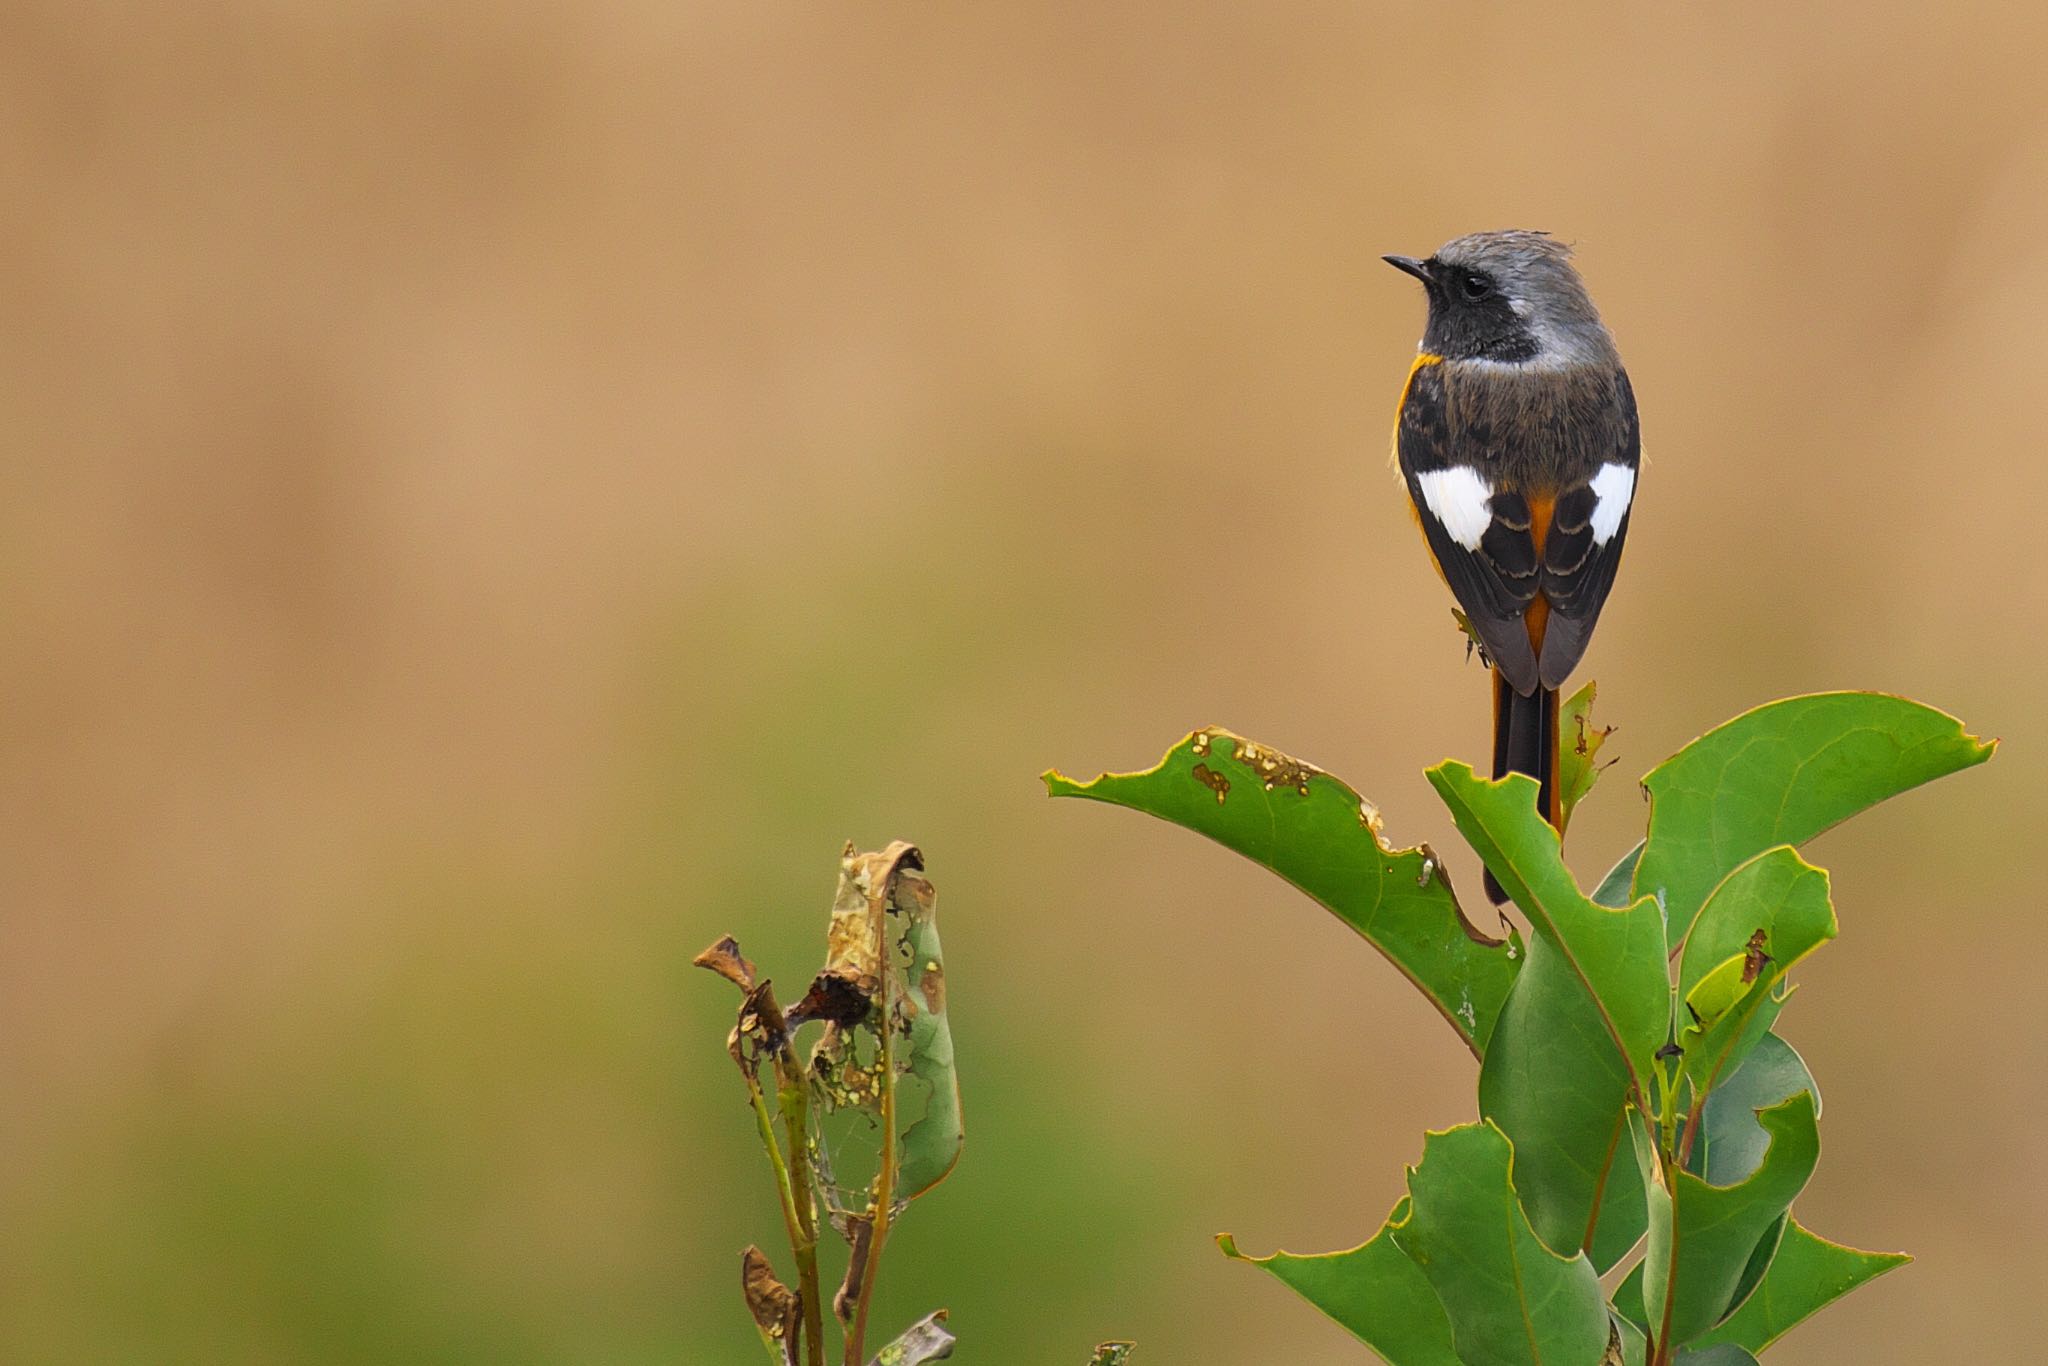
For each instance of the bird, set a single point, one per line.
(1518, 441)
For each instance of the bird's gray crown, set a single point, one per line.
(1533, 272)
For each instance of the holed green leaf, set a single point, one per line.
(1578, 749)
(1511, 1300)
(1702, 1236)
(1731, 1142)
(1318, 834)
(1808, 1273)
(883, 963)
(1618, 955)
(1782, 774)
(1764, 917)
(1373, 1290)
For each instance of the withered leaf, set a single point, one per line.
(835, 998)
(859, 1230)
(925, 1340)
(1753, 955)
(725, 959)
(761, 1029)
(884, 996)
(775, 1307)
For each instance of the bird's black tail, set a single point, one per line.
(1525, 741)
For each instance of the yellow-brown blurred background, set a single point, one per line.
(495, 494)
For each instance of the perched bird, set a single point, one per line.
(1518, 441)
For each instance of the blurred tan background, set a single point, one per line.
(496, 494)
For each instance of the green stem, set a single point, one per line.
(1667, 1130)
(1667, 1114)
(766, 1126)
(793, 1099)
(803, 1241)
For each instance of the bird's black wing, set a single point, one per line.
(1487, 554)
(1588, 526)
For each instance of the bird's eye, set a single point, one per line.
(1473, 285)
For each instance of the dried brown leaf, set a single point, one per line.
(835, 998)
(859, 1231)
(725, 959)
(775, 1307)
(761, 1031)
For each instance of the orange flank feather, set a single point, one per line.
(1535, 618)
(1422, 358)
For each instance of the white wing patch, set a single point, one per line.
(1613, 487)
(1457, 497)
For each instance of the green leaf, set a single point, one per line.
(1628, 1297)
(1373, 1290)
(1808, 1274)
(1565, 1153)
(1723, 1355)
(1318, 834)
(1556, 1084)
(925, 1340)
(1511, 1300)
(1764, 917)
(1618, 955)
(1614, 891)
(1578, 748)
(1731, 1143)
(1759, 1262)
(1625, 1339)
(1782, 774)
(1702, 1236)
(1112, 1353)
(930, 1087)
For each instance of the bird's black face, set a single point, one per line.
(1469, 317)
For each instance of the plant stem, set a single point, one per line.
(885, 1178)
(1692, 1128)
(798, 1220)
(793, 1100)
(766, 1126)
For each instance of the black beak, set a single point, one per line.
(1409, 265)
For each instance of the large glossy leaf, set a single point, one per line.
(1555, 1083)
(1618, 954)
(1702, 1236)
(1782, 774)
(1725, 1354)
(1511, 1301)
(1320, 835)
(1373, 1290)
(1766, 916)
(1808, 1273)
